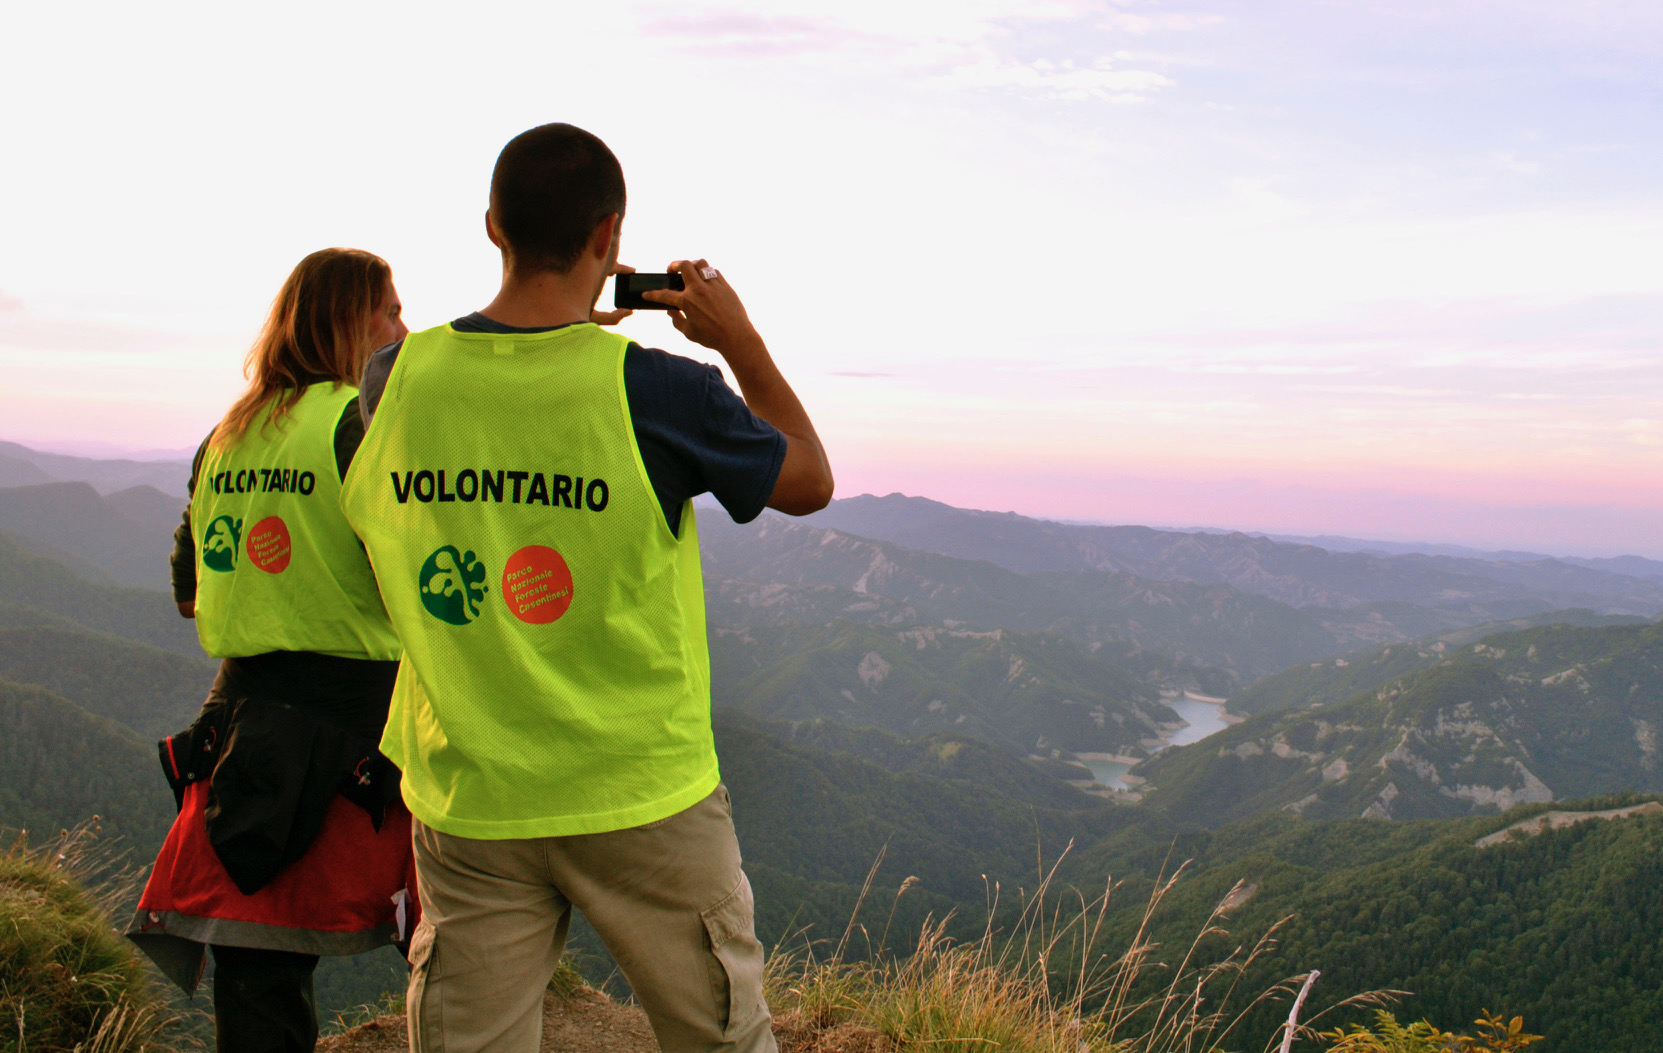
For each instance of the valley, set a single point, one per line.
(1384, 747)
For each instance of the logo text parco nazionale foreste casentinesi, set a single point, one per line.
(536, 580)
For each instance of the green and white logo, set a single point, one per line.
(220, 543)
(452, 584)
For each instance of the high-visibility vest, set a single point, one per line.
(277, 566)
(556, 677)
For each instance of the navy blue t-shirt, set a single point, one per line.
(695, 433)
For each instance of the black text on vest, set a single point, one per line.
(264, 481)
(502, 486)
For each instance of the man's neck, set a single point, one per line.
(543, 299)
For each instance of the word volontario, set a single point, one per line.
(503, 487)
(264, 481)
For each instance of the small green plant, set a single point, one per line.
(68, 982)
(567, 978)
(1495, 1035)
(391, 1003)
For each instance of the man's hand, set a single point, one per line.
(187, 608)
(707, 311)
(613, 317)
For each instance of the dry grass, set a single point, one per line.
(1045, 985)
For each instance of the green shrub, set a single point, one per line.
(68, 981)
(1495, 1035)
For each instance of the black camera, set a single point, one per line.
(627, 290)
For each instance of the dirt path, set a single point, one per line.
(1541, 824)
(590, 1022)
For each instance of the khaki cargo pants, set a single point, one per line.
(668, 898)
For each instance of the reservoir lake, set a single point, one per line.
(1204, 719)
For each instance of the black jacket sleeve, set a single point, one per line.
(183, 560)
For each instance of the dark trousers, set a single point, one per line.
(263, 1001)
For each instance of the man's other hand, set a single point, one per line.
(707, 311)
(187, 608)
(613, 317)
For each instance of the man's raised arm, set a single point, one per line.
(708, 312)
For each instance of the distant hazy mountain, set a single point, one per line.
(1632, 566)
(778, 570)
(126, 535)
(106, 476)
(1300, 575)
(1628, 566)
(17, 472)
(1523, 717)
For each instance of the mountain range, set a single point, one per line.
(1302, 575)
(897, 679)
(778, 570)
(23, 466)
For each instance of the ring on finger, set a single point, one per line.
(710, 273)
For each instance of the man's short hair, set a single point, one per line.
(552, 186)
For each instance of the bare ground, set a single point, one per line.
(587, 1021)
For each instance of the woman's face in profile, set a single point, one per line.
(387, 323)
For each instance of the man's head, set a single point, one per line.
(552, 187)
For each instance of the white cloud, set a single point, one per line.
(1064, 82)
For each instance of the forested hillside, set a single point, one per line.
(152, 691)
(1336, 680)
(1030, 692)
(1561, 927)
(125, 535)
(37, 590)
(60, 766)
(814, 818)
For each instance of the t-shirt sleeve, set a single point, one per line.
(697, 436)
(349, 434)
(373, 382)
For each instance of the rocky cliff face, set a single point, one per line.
(1520, 718)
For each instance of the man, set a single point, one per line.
(524, 491)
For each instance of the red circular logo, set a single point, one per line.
(537, 584)
(268, 545)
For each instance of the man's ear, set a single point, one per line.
(604, 234)
(491, 230)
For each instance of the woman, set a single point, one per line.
(291, 840)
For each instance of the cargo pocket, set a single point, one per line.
(423, 1019)
(730, 924)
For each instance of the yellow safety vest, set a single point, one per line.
(277, 566)
(556, 677)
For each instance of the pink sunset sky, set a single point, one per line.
(1389, 270)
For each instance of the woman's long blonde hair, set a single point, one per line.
(320, 328)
